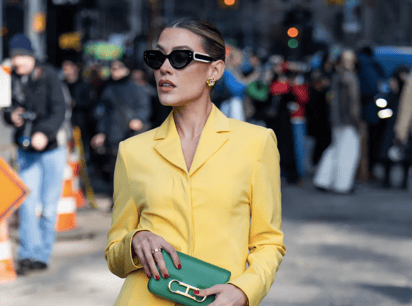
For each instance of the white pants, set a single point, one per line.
(339, 163)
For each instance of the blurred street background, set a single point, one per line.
(343, 248)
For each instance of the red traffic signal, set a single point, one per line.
(293, 32)
(228, 4)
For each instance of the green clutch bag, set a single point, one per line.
(195, 274)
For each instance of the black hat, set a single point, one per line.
(20, 44)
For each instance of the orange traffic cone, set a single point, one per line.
(66, 209)
(7, 272)
(78, 193)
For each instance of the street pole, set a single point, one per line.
(135, 19)
(38, 38)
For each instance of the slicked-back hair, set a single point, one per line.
(212, 40)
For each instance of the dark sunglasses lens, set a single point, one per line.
(154, 59)
(179, 59)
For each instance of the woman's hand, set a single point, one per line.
(226, 295)
(147, 246)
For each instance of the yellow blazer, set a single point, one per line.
(226, 210)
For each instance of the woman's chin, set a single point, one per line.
(170, 102)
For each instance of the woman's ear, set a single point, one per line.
(216, 70)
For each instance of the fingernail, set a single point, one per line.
(166, 275)
(157, 277)
(196, 291)
(179, 266)
(148, 276)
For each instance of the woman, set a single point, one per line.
(396, 84)
(236, 84)
(337, 168)
(221, 205)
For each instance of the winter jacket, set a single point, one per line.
(120, 102)
(40, 93)
(345, 106)
(369, 75)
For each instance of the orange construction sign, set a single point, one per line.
(12, 190)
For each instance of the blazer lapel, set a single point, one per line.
(214, 136)
(168, 143)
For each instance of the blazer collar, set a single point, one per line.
(213, 137)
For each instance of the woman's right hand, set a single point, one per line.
(144, 244)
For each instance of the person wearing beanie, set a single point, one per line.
(20, 44)
(37, 113)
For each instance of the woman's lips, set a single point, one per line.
(166, 86)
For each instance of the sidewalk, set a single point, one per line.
(345, 250)
(341, 251)
(78, 273)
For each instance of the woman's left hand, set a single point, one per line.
(226, 295)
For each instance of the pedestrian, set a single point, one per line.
(159, 111)
(318, 115)
(337, 168)
(370, 73)
(37, 113)
(403, 127)
(221, 204)
(301, 91)
(123, 111)
(235, 83)
(82, 103)
(396, 84)
(278, 118)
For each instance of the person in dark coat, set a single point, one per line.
(317, 111)
(148, 86)
(37, 114)
(123, 111)
(82, 103)
(370, 72)
(278, 118)
(392, 99)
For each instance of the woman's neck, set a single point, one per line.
(190, 119)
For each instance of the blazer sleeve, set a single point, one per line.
(120, 259)
(265, 238)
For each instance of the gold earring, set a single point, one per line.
(210, 82)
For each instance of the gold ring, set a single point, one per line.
(156, 250)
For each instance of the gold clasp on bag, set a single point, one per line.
(186, 294)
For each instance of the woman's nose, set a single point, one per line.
(166, 67)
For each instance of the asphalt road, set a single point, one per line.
(341, 251)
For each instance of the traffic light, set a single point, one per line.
(293, 41)
(229, 4)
